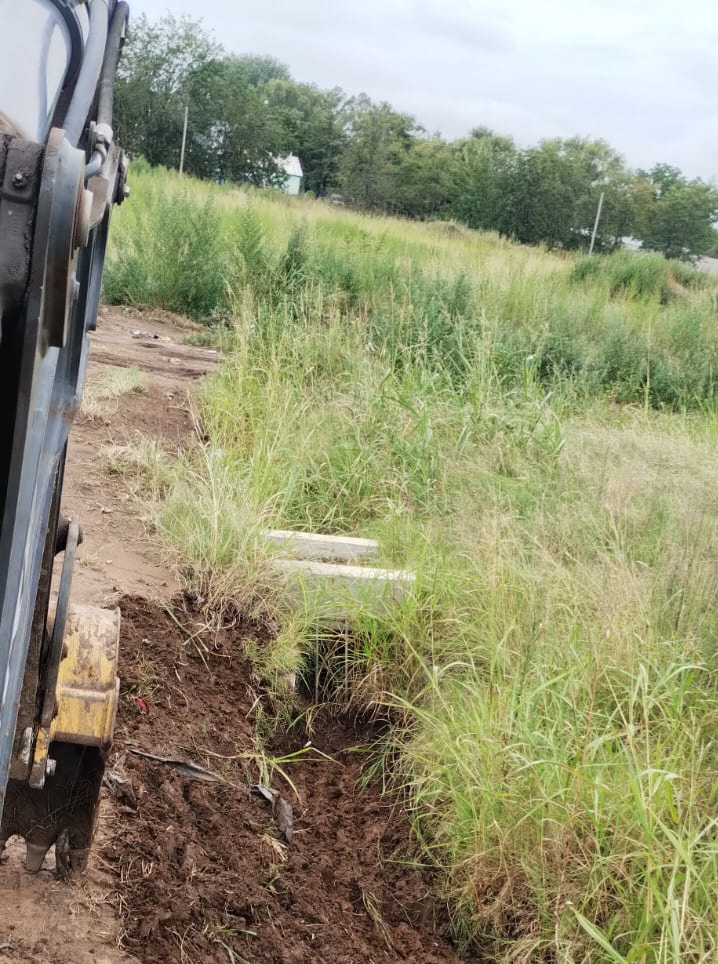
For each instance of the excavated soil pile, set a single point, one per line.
(211, 872)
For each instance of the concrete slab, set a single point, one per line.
(310, 545)
(337, 593)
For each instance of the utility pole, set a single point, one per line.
(184, 140)
(595, 223)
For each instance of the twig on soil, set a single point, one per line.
(374, 911)
(222, 756)
(195, 637)
(284, 813)
(189, 769)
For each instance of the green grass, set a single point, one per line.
(103, 390)
(634, 328)
(536, 437)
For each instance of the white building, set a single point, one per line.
(293, 174)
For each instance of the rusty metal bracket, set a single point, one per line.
(87, 692)
(20, 166)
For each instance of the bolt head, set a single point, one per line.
(19, 179)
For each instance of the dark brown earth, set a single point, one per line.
(186, 870)
(207, 872)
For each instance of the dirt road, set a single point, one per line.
(42, 919)
(203, 870)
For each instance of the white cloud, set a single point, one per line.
(640, 74)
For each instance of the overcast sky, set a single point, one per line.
(642, 74)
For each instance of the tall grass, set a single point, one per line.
(535, 436)
(634, 328)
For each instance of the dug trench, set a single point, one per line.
(193, 863)
(215, 871)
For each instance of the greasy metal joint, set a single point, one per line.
(83, 219)
(19, 178)
(102, 137)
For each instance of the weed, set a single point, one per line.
(144, 466)
(103, 390)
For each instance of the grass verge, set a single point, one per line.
(535, 437)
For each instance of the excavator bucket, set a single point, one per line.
(70, 753)
(60, 174)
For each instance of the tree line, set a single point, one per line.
(245, 112)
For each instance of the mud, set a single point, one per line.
(42, 920)
(208, 875)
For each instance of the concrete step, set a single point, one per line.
(309, 545)
(336, 593)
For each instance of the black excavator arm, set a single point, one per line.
(60, 174)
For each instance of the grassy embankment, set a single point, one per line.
(536, 436)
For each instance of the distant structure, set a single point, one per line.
(709, 265)
(631, 244)
(291, 167)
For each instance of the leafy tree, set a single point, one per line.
(550, 193)
(601, 170)
(314, 123)
(151, 91)
(379, 139)
(422, 186)
(541, 200)
(260, 70)
(674, 215)
(480, 171)
(234, 134)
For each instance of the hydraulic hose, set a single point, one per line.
(94, 165)
(67, 11)
(86, 86)
(107, 84)
(112, 59)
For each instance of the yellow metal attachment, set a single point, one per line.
(87, 686)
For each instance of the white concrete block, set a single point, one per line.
(336, 593)
(309, 545)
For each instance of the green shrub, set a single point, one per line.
(587, 268)
(170, 253)
(637, 275)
